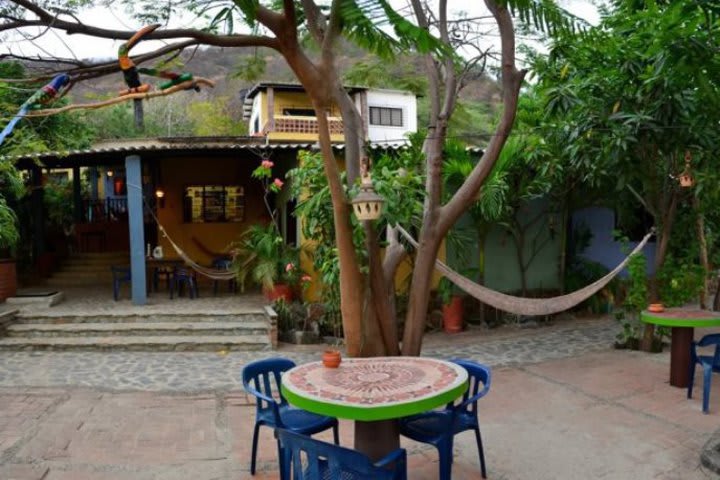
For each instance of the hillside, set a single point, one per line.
(228, 67)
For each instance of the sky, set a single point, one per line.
(83, 47)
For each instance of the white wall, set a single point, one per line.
(392, 99)
(256, 113)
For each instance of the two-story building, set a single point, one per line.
(200, 189)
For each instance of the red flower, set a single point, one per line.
(278, 183)
(267, 164)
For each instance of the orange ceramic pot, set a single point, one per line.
(656, 307)
(280, 290)
(331, 358)
(453, 315)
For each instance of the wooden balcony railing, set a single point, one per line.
(108, 210)
(288, 124)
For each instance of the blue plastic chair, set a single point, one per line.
(224, 264)
(439, 427)
(710, 364)
(120, 275)
(312, 459)
(183, 276)
(261, 379)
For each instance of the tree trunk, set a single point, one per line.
(703, 250)
(420, 293)
(385, 314)
(350, 277)
(563, 232)
(660, 254)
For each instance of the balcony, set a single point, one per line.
(302, 125)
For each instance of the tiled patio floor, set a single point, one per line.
(601, 415)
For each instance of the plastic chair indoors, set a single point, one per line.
(262, 380)
(439, 427)
(311, 459)
(709, 363)
(120, 275)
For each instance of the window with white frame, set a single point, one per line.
(386, 116)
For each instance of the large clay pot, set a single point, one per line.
(8, 279)
(280, 290)
(453, 315)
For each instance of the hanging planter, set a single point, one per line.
(685, 178)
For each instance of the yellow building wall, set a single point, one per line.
(178, 173)
(282, 100)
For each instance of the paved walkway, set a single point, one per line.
(202, 372)
(563, 406)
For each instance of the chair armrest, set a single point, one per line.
(391, 457)
(476, 397)
(269, 400)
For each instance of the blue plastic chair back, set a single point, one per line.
(314, 460)
(712, 339)
(709, 365)
(479, 377)
(262, 379)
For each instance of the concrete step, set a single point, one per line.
(101, 274)
(73, 268)
(249, 316)
(96, 255)
(209, 343)
(169, 329)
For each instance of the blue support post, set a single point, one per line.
(133, 175)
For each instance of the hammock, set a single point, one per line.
(212, 273)
(523, 305)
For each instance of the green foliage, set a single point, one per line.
(39, 134)
(680, 282)
(9, 235)
(635, 301)
(261, 255)
(637, 293)
(310, 188)
(58, 199)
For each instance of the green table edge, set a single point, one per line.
(369, 414)
(648, 317)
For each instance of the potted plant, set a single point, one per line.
(262, 256)
(9, 237)
(452, 307)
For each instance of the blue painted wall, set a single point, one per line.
(603, 248)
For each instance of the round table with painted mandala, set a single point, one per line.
(374, 392)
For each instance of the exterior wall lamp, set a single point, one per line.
(367, 204)
(160, 195)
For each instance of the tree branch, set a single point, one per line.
(48, 19)
(511, 81)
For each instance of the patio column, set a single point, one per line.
(77, 195)
(38, 214)
(93, 181)
(133, 176)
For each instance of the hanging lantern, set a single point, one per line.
(367, 204)
(686, 179)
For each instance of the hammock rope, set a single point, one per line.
(525, 305)
(212, 273)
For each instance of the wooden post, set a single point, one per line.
(270, 124)
(38, 214)
(133, 175)
(139, 115)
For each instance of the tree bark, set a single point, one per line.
(668, 219)
(350, 277)
(703, 250)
